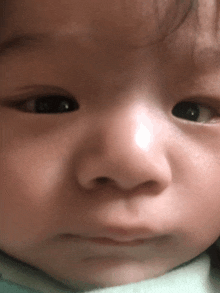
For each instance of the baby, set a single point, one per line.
(110, 135)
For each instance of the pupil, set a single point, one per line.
(186, 110)
(55, 104)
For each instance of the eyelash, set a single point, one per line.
(74, 106)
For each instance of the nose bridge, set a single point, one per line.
(129, 151)
(130, 132)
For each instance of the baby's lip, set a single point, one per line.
(113, 241)
(118, 236)
(109, 241)
(123, 235)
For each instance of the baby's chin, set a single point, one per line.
(113, 276)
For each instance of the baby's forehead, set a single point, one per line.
(140, 21)
(134, 23)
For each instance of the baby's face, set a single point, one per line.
(110, 130)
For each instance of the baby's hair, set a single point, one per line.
(171, 16)
(2, 9)
(179, 4)
(2, 15)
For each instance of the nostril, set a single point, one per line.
(102, 180)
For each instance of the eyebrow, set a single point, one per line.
(22, 42)
(26, 41)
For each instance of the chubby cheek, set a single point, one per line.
(200, 212)
(28, 210)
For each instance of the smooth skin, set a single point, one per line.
(114, 160)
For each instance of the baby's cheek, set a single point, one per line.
(24, 215)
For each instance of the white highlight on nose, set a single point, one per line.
(143, 136)
(144, 127)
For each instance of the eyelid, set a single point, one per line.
(19, 100)
(33, 92)
(37, 90)
(212, 103)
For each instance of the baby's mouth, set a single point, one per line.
(108, 241)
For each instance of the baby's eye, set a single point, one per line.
(193, 111)
(50, 104)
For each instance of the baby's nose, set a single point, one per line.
(128, 151)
